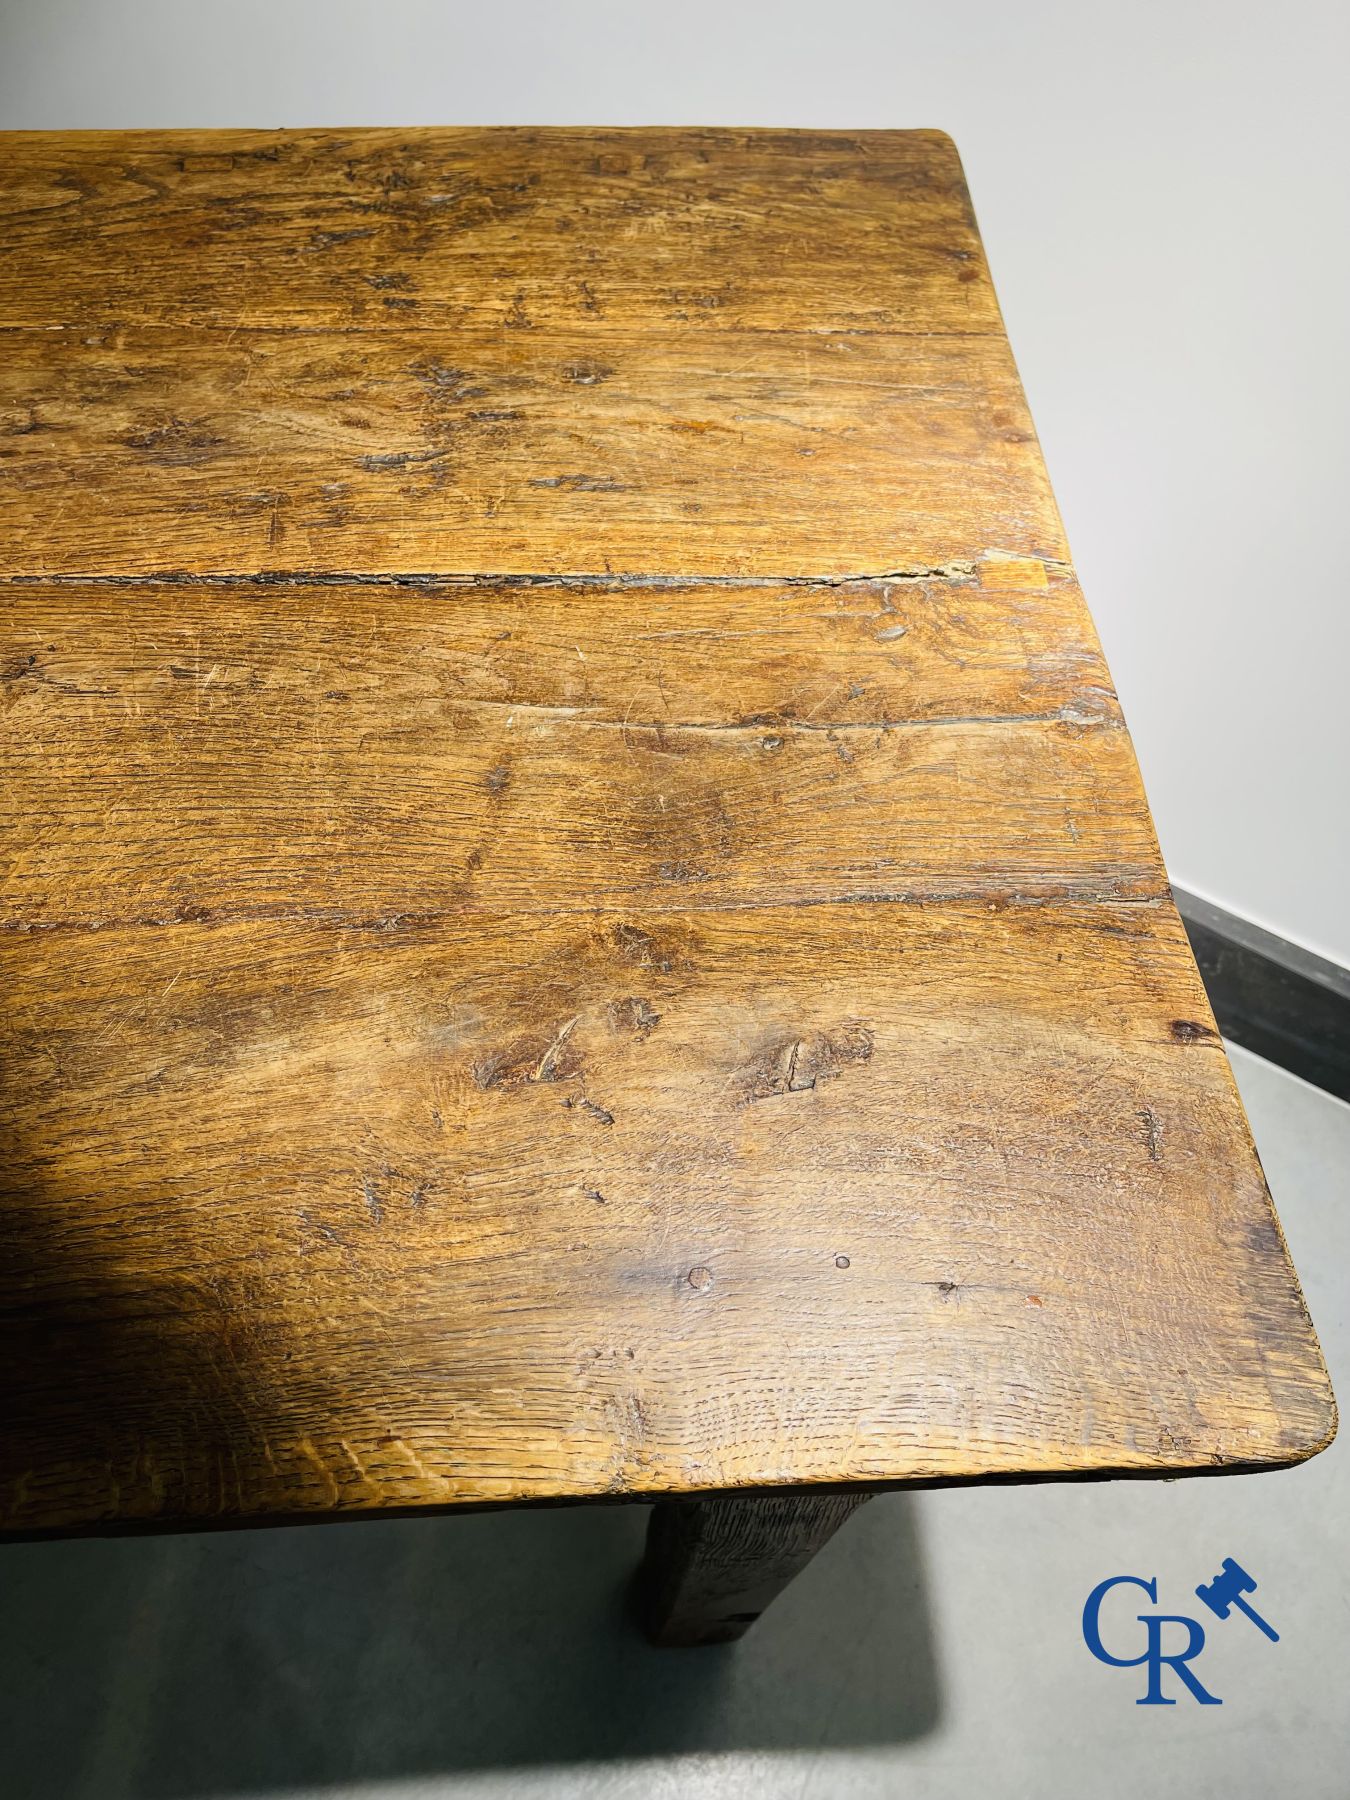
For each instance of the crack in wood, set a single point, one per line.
(959, 572)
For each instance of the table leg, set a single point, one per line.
(712, 1566)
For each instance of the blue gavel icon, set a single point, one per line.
(1226, 1591)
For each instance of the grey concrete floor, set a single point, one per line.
(933, 1649)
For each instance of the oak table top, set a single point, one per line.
(579, 914)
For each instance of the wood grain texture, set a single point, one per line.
(712, 1566)
(363, 754)
(660, 452)
(626, 1203)
(577, 913)
(612, 232)
(516, 352)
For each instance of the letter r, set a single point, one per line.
(1195, 1643)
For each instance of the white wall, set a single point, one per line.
(1165, 197)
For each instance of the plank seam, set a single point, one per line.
(961, 571)
(991, 898)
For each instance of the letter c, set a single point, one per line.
(1092, 1635)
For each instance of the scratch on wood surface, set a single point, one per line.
(548, 1062)
(1153, 1132)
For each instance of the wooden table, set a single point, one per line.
(580, 919)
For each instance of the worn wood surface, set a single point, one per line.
(562, 449)
(712, 1566)
(578, 913)
(363, 753)
(612, 232)
(513, 352)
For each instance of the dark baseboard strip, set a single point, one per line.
(1272, 997)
